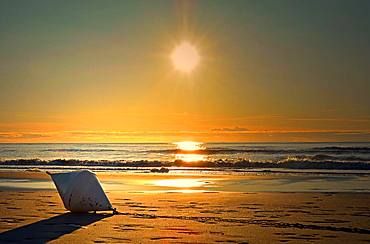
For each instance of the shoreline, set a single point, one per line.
(198, 181)
(185, 170)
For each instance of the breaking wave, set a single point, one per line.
(325, 162)
(221, 150)
(79, 150)
(225, 150)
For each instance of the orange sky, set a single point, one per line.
(103, 72)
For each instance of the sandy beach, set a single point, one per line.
(185, 121)
(185, 216)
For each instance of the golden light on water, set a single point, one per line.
(189, 145)
(185, 57)
(190, 157)
(180, 183)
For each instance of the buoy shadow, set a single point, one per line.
(52, 228)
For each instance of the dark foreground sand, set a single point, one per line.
(202, 217)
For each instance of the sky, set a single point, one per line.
(100, 71)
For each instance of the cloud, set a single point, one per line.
(216, 134)
(22, 135)
(232, 129)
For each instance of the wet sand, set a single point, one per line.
(182, 217)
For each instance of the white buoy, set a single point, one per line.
(81, 191)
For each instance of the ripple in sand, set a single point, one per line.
(226, 241)
(287, 236)
(12, 208)
(106, 239)
(164, 238)
(219, 211)
(132, 227)
(166, 200)
(11, 220)
(180, 206)
(183, 230)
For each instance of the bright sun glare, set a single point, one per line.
(189, 145)
(192, 147)
(185, 57)
(181, 183)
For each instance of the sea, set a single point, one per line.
(234, 157)
(194, 166)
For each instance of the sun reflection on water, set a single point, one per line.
(180, 183)
(189, 145)
(190, 157)
(190, 151)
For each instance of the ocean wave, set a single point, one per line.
(224, 150)
(326, 157)
(336, 149)
(212, 151)
(79, 150)
(7, 150)
(295, 162)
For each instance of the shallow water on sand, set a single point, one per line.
(154, 183)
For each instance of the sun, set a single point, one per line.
(185, 57)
